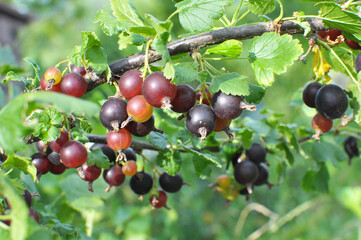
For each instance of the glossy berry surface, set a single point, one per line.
(81, 70)
(119, 140)
(331, 101)
(44, 85)
(257, 153)
(184, 100)
(73, 84)
(141, 129)
(57, 169)
(139, 109)
(170, 183)
(158, 201)
(221, 124)
(262, 175)
(331, 34)
(246, 172)
(226, 106)
(158, 91)
(353, 44)
(57, 144)
(54, 158)
(112, 113)
(91, 172)
(141, 183)
(319, 123)
(130, 154)
(73, 154)
(41, 162)
(130, 84)
(201, 120)
(54, 74)
(309, 93)
(130, 168)
(114, 175)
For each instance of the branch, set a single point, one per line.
(192, 43)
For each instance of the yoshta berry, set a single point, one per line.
(73, 84)
(141, 183)
(246, 173)
(201, 121)
(41, 163)
(113, 176)
(320, 125)
(130, 84)
(353, 44)
(351, 148)
(142, 129)
(184, 100)
(158, 91)
(81, 70)
(113, 113)
(73, 154)
(309, 93)
(331, 101)
(257, 153)
(158, 201)
(171, 183)
(138, 110)
(58, 143)
(53, 76)
(229, 106)
(119, 140)
(90, 174)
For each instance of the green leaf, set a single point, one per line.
(230, 48)
(289, 136)
(272, 53)
(96, 59)
(159, 26)
(89, 40)
(158, 140)
(5, 68)
(169, 70)
(261, 7)
(97, 157)
(160, 46)
(34, 65)
(351, 199)
(125, 12)
(202, 168)
(108, 23)
(185, 73)
(199, 15)
(169, 160)
(256, 94)
(316, 180)
(333, 16)
(355, 102)
(145, 31)
(230, 83)
(328, 151)
(22, 163)
(203, 156)
(246, 137)
(12, 76)
(288, 154)
(19, 211)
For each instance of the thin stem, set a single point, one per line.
(281, 12)
(235, 15)
(223, 22)
(226, 20)
(61, 62)
(146, 60)
(241, 17)
(209, 66)
(174, 13)
(150, 163)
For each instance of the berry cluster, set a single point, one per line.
(249, 171)
(72, 84)
(334, 36)
(330, 102)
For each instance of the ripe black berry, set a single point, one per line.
(331, 101)
(263, 175)
(309, 93)
(113, 113)
(201, 121)
(171, 183)
(246, 173)
(257, 153)
(351, 148)
(141, 183)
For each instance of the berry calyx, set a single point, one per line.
(158, 201)
(200, 121)
(320, 125)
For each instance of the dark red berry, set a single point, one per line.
(81, 70)
(57, 144)
(113, 176)
(73, 84)
(113, 113)
(184, 100)
(73, 154)
(158, 201)
(130, 84)
(57, 169)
